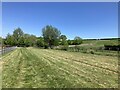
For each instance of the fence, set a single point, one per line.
(7, 49)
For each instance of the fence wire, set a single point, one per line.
(6, 50)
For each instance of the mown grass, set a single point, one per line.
(45, 68)
(100, 42)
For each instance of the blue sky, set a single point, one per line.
(84, 19)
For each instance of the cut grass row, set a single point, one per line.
(41, 68)
(55, 57)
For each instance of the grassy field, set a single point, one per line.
(100, 42)
(41, 68)
(95, 47)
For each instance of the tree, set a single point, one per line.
(77, 40)
(1, 41)
(9, 40)
(40, 42)
(17, 34)
(51, 35)
(29, 40)
(63, 39)
(20, 39)
(32, 40)
(65, 45)
(26, 40)
(70, 42)
(21, 42)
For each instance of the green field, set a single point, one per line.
(101, 42)
(41, 68)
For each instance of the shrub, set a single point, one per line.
(77, 48)
(84, 51)
(112, 47)
(46, 46)
(64, 48)
(92, 52)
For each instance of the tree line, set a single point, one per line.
(50, 38)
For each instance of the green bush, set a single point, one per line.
(64, 48)
(84, 51)
(92, 52)
(46, 46)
